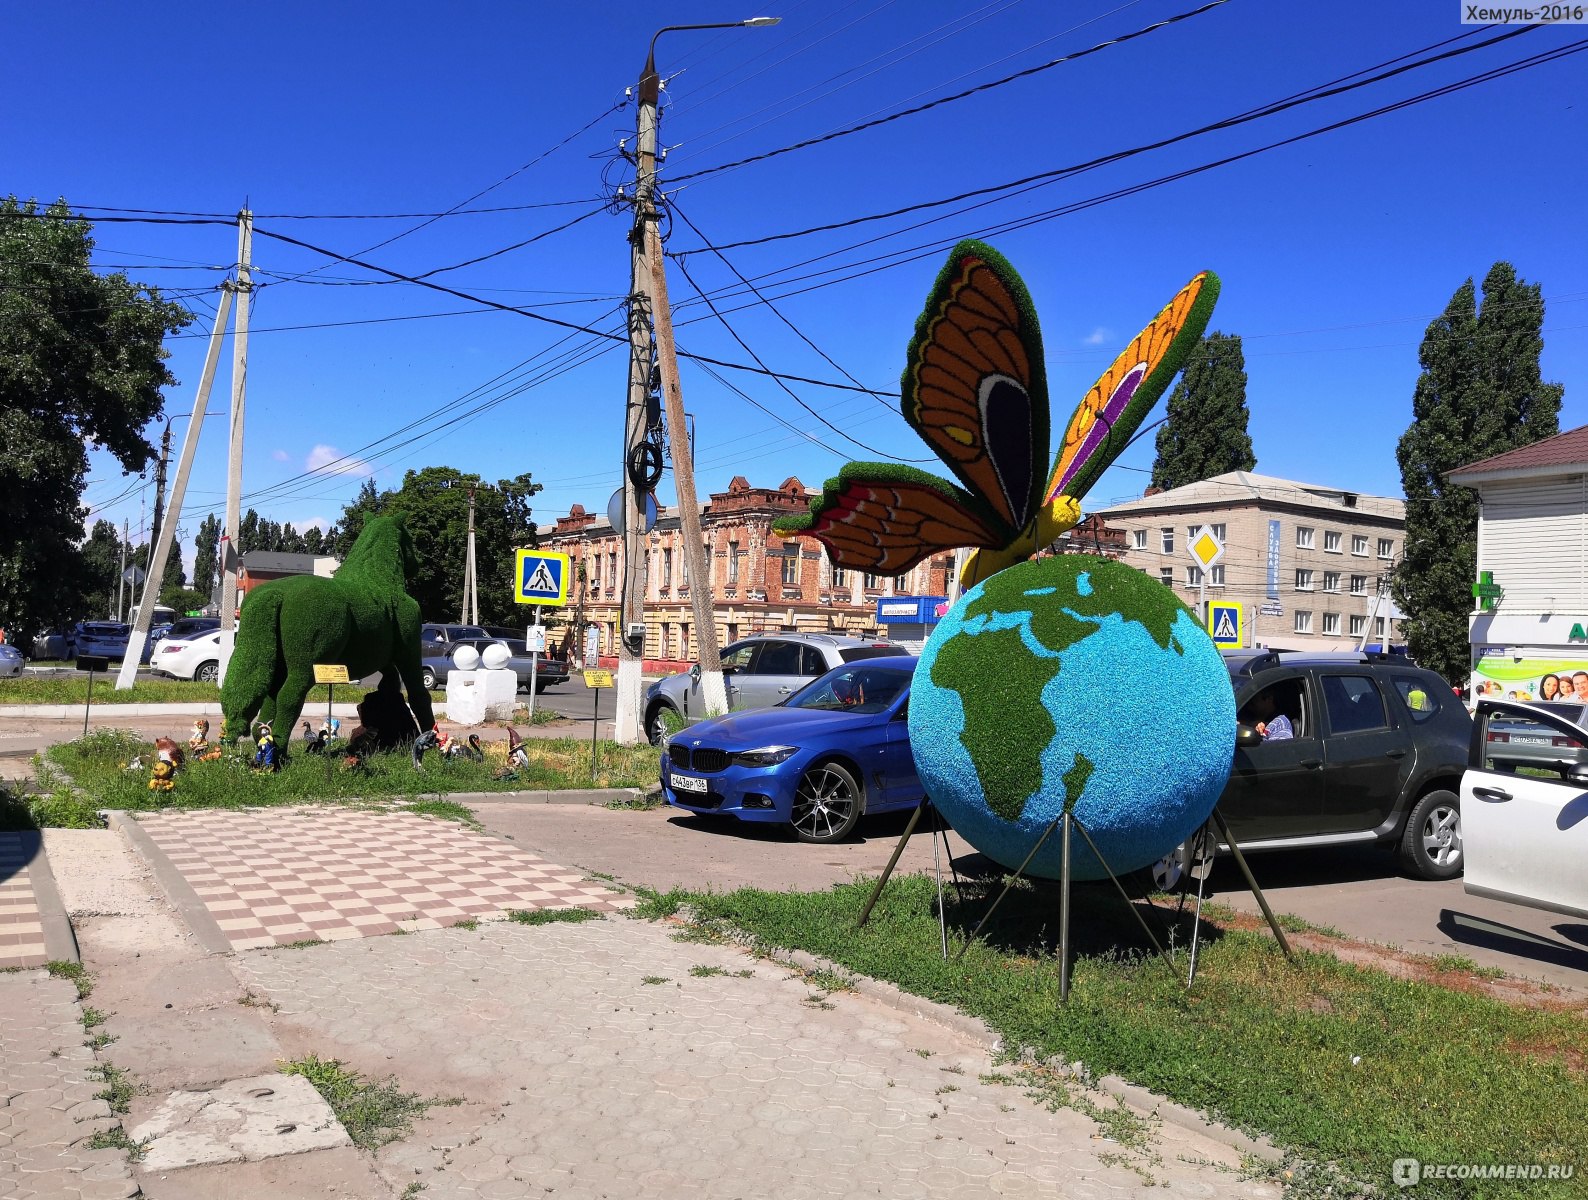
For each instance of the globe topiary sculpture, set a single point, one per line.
(362, 619)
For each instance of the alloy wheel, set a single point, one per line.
(827, 804)
(1441, 834)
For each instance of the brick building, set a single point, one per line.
(760, 582)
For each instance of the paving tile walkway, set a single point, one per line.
(48, 1110)
(272, 877)
(21, 930)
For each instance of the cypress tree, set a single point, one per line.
(1205, 434)
(1480, 394)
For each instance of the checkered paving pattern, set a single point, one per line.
(21, 932)
(270, 877)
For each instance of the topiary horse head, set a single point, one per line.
(362, 618)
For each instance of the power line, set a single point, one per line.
(1119, 155)
(942, 100)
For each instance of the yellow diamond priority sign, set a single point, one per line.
(1205, 548)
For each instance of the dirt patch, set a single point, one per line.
(1545, 1050)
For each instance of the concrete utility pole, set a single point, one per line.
(159, 483)
(160, 547)
(230, 561)
(121, 577)
(648, 279)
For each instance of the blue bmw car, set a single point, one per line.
(836, 749)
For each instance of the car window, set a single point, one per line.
(778, 658)
(429, 635)
(1354, 703)
(852, 689)
(1421, 701)
(1288, 698)
(811, 662)
(1515, 744)
(857, 653)
(738, 658)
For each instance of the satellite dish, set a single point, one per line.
(615, 512)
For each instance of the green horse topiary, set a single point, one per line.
(362, 619)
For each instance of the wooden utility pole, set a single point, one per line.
(160, 547)
(230, 560)
(714, 695)
(121, 578)
(159, 483)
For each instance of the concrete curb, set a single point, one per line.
(974, 1029)
(60, 940)
(192, 709)
(211, 938)
(593, 796)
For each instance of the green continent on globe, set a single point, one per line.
(1149, 604)
(1075, 780)
(1009, 767)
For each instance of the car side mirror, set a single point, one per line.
(694, 673)
(1246, 737)
(1578, 774)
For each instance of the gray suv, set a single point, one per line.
(759, 672)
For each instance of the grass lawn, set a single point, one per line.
(94, 764)
(1343, 1065)
(149, 689)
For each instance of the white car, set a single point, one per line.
(192, 658)
(1525, 827)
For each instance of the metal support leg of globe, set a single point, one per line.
(1251, 882)
(1064, 910)
(937, 868)
(1012, 880)
(876, 892)
(1196, 926)
(1125, 896)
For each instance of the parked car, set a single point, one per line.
(430, 633)
(1525, 831)
(181, 630)
(1377, 757)
(11, 660)
(837, 749)
(197, 657)
(759, 672)
(108, 639)
(1516, 740)
(55, 644)
(438, 660)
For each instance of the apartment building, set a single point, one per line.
(1309, 565)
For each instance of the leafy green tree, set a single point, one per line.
(248, 533)
(313, 540)
(82, 362)
(101, 567)
(184, 600)
(365, 505)
(1480, 394)
(1205, 434)
(206, 555)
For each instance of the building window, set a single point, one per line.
(791, 569)
(1386, 548)
(1166, 576)
(1359, 585)
(899, 584)
(1331, 581)
(1303, 621)
(1193, 576)
(1303, 537)
(1138, 539)
(840, 577)
(733, 562)
(1168, 539)
(667, 567)
(1331, 541)
(1378, 627)
(873, 580)
(1358, 624)
(1359, 544)
(1216, 575)
(1218, 531)
(666, 637)
(1331, 624)
(1304, 579)
(595, 572)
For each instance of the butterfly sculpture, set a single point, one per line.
(975, 389)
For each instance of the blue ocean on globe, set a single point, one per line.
(1079, 680)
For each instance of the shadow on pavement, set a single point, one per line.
(1469, 930)
(884, 827)
(1306, 868)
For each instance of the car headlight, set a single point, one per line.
(765, 756)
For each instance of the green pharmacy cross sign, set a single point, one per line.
(1487, 592)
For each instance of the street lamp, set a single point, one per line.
(648, 287)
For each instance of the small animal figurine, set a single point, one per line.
(428, 740)
(166, 750)
(473, 750)
(314, 743)
(266, 757)
(199, 743)
(135, 765)
(161, 778)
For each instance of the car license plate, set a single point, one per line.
(688, 783)
(1529, 741)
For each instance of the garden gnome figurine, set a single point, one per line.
(265, 756)
(199, 743)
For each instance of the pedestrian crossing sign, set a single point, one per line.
(540, 577)
(1226, 626)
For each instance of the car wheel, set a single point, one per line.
(827, 804)
(1431, 845)
(427, 677)
(207, 672)
(663, 719)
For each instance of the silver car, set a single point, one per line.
(10, 660)
(1513, 741)
(758, 672)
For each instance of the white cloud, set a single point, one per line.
(328, 460)
(320, 523)
(1097, 337)
(281, 456)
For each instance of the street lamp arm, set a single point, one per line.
(649, 84)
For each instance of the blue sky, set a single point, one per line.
(1335, 252)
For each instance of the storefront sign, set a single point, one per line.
(1273, 560)
(1535, 676)
(1488, 593)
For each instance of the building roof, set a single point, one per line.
(272, 560)
(1244, 487)
(1564, 450)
